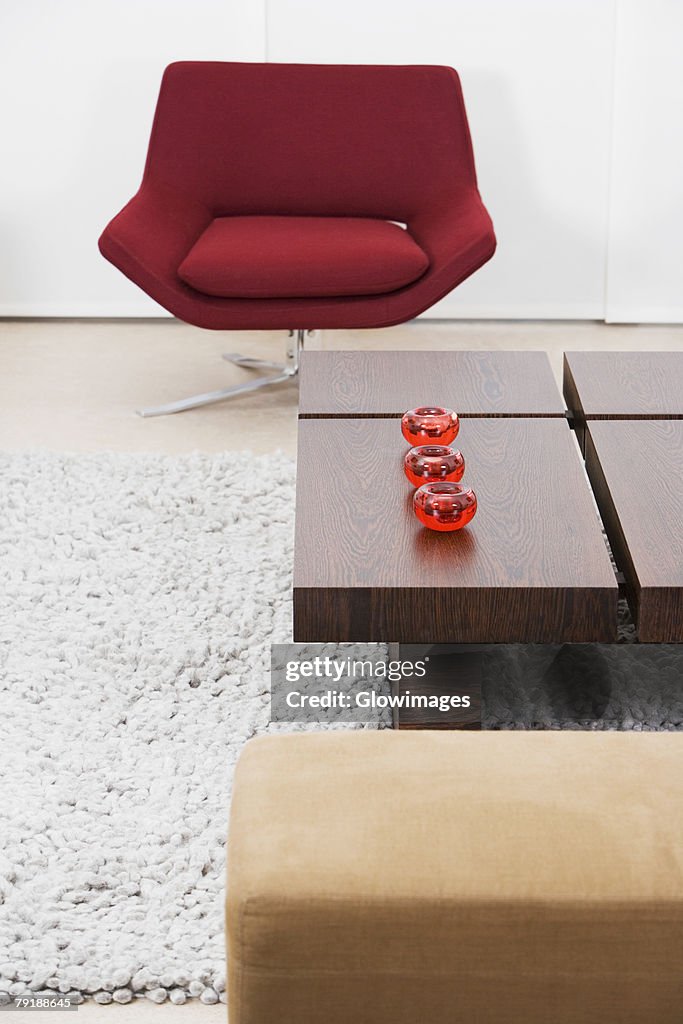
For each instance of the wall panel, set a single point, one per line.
(537, 78)
(79, 81)
(645, 265)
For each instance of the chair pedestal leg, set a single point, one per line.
(286, 371)
(251, 364)
(213, 396)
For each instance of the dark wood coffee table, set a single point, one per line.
(385, 384)
(636, 469)
(629, 409)
(623, 386)
(533, 566)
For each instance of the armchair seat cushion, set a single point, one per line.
(268, 257)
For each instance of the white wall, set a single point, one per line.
(557, 150)
(645, 264)
(78, 85)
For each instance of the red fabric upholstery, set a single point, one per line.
(301, 257)
(237, 140)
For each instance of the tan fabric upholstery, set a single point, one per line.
(457, 878)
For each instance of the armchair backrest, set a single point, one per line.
(384, 141)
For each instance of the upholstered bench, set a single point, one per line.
(457, 878)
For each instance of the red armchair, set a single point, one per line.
(301, 197)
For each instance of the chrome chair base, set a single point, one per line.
(287, 371)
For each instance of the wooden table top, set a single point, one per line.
(531, 567)
(636, 469)
(383, 384)
(624, 385)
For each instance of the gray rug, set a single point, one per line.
(622, 686)
(625, 686)
(138, 599)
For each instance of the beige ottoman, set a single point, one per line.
(457, 878)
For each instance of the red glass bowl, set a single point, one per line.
(444, 506)
(430, 423)
(429, 462)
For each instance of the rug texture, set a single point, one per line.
(139, 596)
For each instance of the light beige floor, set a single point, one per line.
(73, 386)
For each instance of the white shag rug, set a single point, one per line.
(139, 596)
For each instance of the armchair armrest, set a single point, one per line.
(457, 234)
(152, 234)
